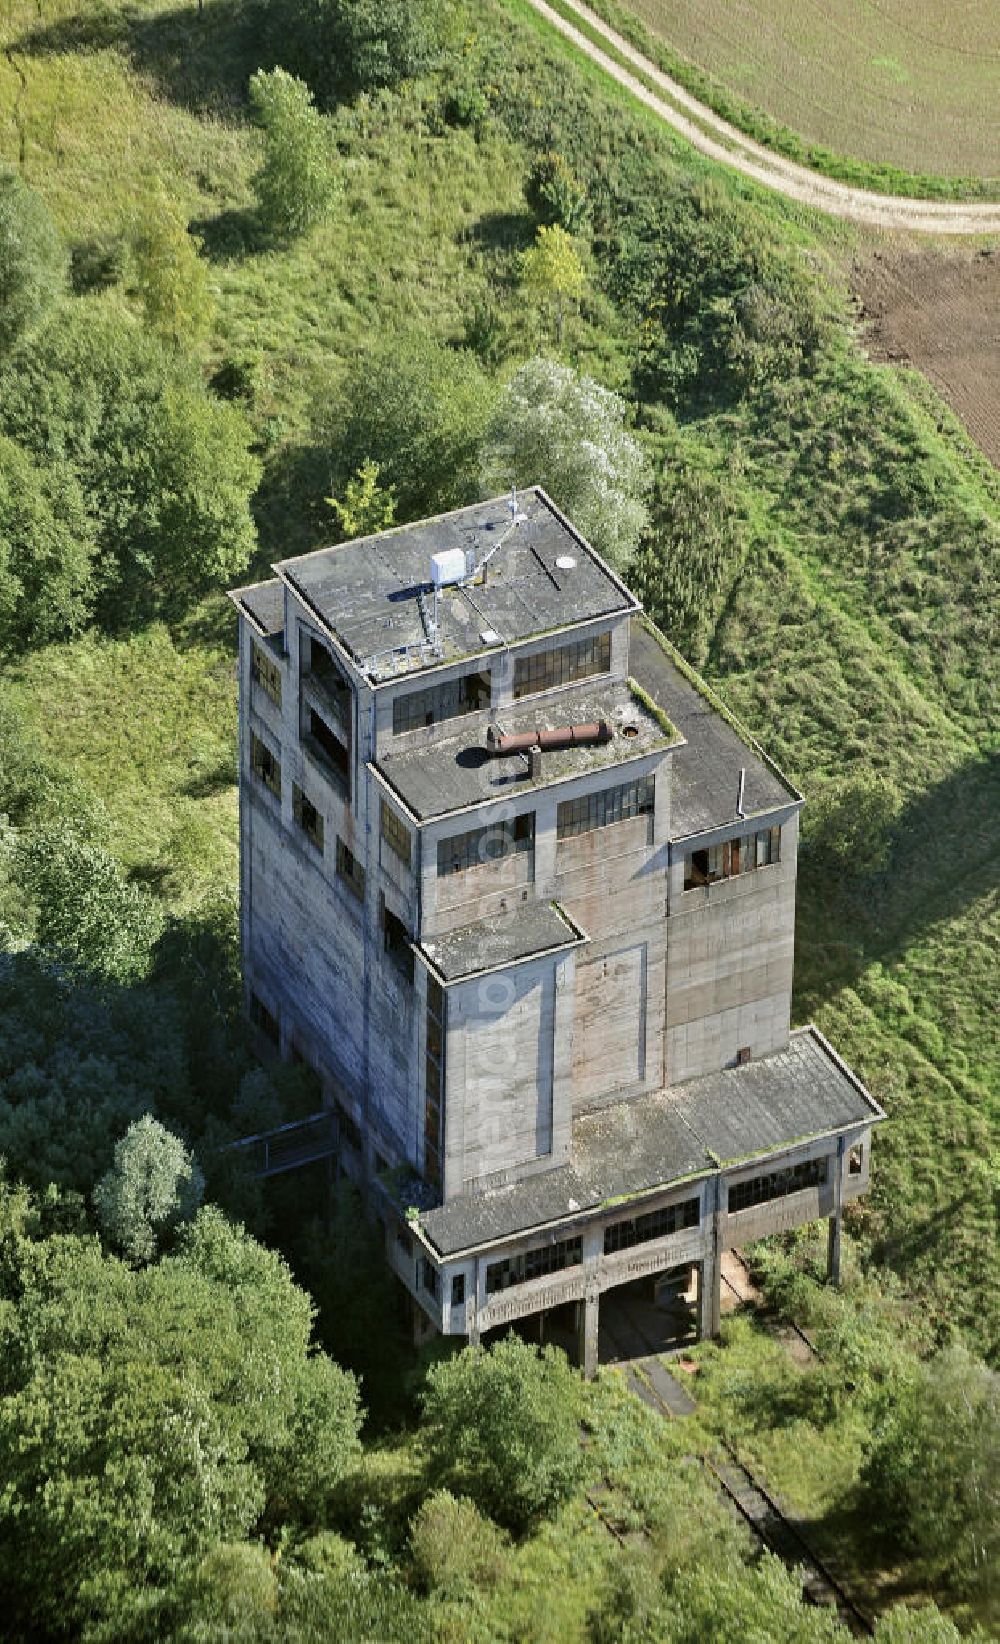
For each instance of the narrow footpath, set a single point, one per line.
(720, 141)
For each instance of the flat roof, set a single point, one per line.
(264, 604)
(636, 1147)
(375, 593)
(531, 929)
(455, 771)
(705, 775)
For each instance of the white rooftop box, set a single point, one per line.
(448, 567)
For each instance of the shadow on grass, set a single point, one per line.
(198, 59)
(944, 852)
(230, 235)
(502, 231)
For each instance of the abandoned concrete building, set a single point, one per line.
(521, 892)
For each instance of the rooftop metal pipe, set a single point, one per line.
(567, 736)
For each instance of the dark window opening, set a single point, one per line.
(458, 1290)
(335, 753)
(349, 869)
(396, 834)
(743, 1055)
(434, 1073)
(404, 1242)
(533, 1264)
(856, 1160)
(429, 1277)
(733, 857)
(467, 695)
(319, 665)
(777, 1184)
(266, 673)
(307, 816)
(265, 765)
(350, 1132)
(264, 1019)
(600, 810)
(561, 665)
(396, 943)
(657, 1224)
(482, 846)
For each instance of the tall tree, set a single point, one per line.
(171, 278)
(562, 430)
(296, 183)
(553, 271)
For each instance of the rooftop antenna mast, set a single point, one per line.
(517, 517)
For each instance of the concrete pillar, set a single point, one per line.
(710, 1269)
(588, 1314)
(836, 1220)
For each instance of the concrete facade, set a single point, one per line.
(486, 958)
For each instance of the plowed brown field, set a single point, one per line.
(940, 313)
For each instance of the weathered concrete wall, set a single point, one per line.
(730, 951)
(504, 1112)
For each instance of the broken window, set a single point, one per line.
(396, 943)
(349, 869)
(482, 845)
(309, 819)
(429, 1277)
(600, 810)
(265, 765)
(856, 1160)
(533, 1264)
(733, 857)
(323, 671)
(396, 834)
(266, 673)
(657, 1224)
(561, 665)
(434, 1081)
(334, 752)
(264, 1019)
(458, 1290)
(466, 695)
(777, 1184)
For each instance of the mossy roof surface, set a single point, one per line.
(627, 1150)
(541, 576)
(705, 781)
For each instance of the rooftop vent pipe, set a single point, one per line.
(567, 736)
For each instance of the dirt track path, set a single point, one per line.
(732, 148)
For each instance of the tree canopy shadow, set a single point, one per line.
(199, 59)
(230, 235)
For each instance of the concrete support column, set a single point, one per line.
(836, 1220)
(588, 1318)
(710, 1269)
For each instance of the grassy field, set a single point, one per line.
(908, 84)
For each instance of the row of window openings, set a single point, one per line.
(658, 1224)
(735, 856)
(470, 693)
(481, 846)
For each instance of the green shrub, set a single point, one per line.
(502, 1427)
(296, 184)
(455, 1550)
(33, 260)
